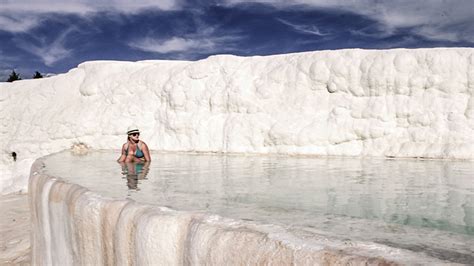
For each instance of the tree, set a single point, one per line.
(37, 75)
(13, 76)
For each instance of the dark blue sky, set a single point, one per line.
(53, 36)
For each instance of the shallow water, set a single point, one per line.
(421, 205)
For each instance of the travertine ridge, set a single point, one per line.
(389, 103)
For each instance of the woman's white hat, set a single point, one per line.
(132, 129)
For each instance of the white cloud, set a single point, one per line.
(49, 52)
(174, 44)
(205, 40)
(23, 15)
(189, 45)
(18, 23)
(83, 6)
(307, 29)
(451, 20)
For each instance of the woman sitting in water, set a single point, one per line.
(134, 150)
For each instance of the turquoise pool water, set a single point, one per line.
(425, 206)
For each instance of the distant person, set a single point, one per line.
(134, 150)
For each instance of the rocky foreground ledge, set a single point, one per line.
(74, 226)
(14, 230)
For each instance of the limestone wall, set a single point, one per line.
(388, 103)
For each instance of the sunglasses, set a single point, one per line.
(135, 134)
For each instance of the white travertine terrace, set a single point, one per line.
(74, 226)
(393, 103)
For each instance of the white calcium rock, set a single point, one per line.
(392, 103)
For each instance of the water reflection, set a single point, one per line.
(133, 172)
(418, 204)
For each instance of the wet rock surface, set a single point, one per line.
(14, 230)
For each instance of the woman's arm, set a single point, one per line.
(146, 152)
(123, 156)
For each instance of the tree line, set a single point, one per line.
(16, 76)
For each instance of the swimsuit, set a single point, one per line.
(138, 152)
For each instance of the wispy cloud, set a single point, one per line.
(186, 47)
(84, 6)
(373, 31)
(23, 15)
(307, 29)
(204, 39)
(18, 22)
(432, 19)
(174, 44)
(49, 52)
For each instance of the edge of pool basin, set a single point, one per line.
(73, 225)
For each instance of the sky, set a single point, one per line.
(53, 36)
